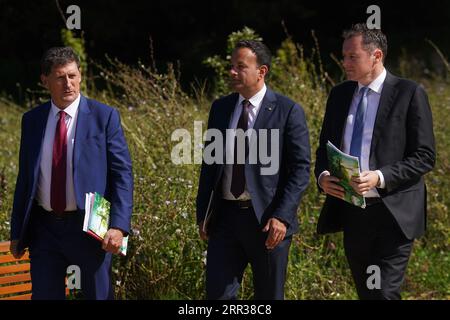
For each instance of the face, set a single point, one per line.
(63, 82)
(359, 64)
(247, 77)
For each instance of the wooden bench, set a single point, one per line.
(15, 277)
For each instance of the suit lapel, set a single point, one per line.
(38, 137)
(388, 94)
(81, 129)
(341, 113)
(268, 106)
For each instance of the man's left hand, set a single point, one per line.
(113, 240)
(277, 231)
(367, 180)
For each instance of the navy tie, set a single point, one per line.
(358, 127)
(238, 177)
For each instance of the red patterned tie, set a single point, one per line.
(59, 161)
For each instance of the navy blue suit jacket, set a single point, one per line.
(277, 195)
(101, 163)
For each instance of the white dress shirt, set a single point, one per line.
(45, 172)
(255, 102)
(373, 101)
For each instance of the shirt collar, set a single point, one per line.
(377, 84)
(256, 100)
(71, 109)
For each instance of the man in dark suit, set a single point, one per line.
(386, 122)
(69, 146)
(251, 209)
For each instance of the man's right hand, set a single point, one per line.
(203, 234)
(329, 185)
(13, 249)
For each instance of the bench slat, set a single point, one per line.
(18, 297)
(15, 278)
(4, 246)
(10, 258)
(26, 287)
(15, 268)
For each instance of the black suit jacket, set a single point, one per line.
(402, 148)
(276, 195)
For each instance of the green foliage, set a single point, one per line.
(78, 45)
(166, 257)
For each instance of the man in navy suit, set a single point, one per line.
(386, 122)
(69, 146)
(251, 206)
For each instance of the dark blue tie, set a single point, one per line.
(358, 127)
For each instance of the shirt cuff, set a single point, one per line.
(382, 182)
(326, 172)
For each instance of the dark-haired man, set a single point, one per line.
(253, 211)
(386, 122)
(69, 146)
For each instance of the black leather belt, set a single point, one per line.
(246, 204)
(373, 201)
(53, 214)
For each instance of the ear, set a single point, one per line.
(378, 54)
(44, 80)
(263, 70)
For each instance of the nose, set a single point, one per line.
(233, 71)
(345, 62)
(66, 82)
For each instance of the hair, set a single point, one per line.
(58, 56)
(371, 38)
(263, 55)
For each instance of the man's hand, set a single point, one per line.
(113, 240)
(203, 234)
(329, 185)
(13, 249)
(277, 231)
(368, 180)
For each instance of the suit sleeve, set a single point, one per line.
(298, 159)
(206, 180)
(420, 154)
(120, 176)
(321, 152)
(18, 211)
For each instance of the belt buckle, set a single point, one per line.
(244, 204)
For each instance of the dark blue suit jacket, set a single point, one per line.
(402, 147)
(276, 195)
(101, 163)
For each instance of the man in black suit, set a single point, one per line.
(251, 206)
(386, 122)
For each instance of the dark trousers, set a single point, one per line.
(56, 244)
(372, 237)
(235, 240)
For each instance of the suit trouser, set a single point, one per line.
(56, 244)
(235, 240)
(372, 237)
